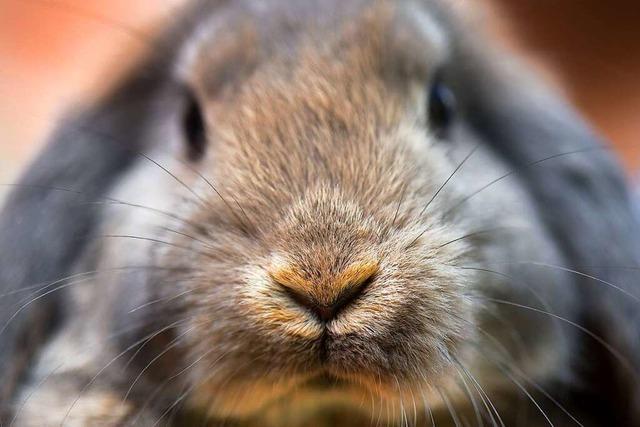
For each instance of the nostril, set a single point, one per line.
(337, 294)
(324, 312)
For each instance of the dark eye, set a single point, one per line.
(441, 108)
(193, 125)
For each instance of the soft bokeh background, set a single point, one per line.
(54, 53)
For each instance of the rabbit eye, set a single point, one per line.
(193, 125)
(441, 108)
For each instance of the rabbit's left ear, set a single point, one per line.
(49, 220)
(580, 191)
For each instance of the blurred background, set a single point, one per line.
(56, 53)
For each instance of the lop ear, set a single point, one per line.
(49, 218)
(581, 181)
(46, 222)
(582, 196)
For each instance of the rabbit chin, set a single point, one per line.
(319, 396)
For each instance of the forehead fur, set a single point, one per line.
(399, 39)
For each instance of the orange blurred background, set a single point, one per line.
(54, 53)
(592, 47)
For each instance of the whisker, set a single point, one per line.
(588, 276)
(51, 373)
(39, 297)
(108, 137)
(188, 236)
(502, 368)
(400, 201)
(526, 392)
(613, 351)
(428, 411)
(372, 402)
(45, 285)
(450, 408)
(32, 392)
(187, 392)
(541, 391)
(545, 304)
(244, 213)
(153, 240)
(172, 297)
(415, 409)
(611, 267)
(208, 181)
(159, 300)
(448, 179)
(476, 233)
(514, 334)
(209, 414)
(81, 278)
(40, 287)
(245, 227)
(413, 242)
(169, 347)
(518, 371)
(551, 398)
(111, 362)
(379, 421)
(486, 400)
(403, 419)
(162, 385)
(515, 171)
(192, 225)
(472, 399)
(149, 339)
(104, 200)
(175, 178)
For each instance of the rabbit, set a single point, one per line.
(321, 213)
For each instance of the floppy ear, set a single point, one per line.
(583, 198)
(46, 223)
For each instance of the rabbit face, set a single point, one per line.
(327, 257)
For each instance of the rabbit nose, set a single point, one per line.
(326, 298)
(326, 312)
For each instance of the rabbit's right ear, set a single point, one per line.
(49, 217)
